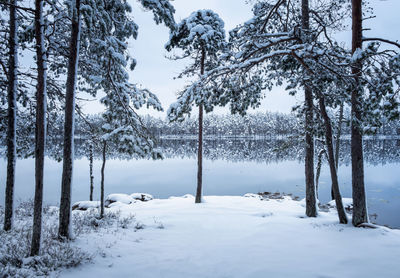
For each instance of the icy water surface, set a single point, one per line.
(231, 167)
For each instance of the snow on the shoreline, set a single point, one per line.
(85, 205)
(232, 236)
(142, 197)
(347, 203)
(118, 198)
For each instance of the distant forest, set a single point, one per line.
(267, 124)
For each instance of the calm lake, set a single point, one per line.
(231, 167)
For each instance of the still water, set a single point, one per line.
(231, 167)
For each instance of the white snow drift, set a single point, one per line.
(238, 237)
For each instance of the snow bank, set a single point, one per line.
(347, 203)
(144, 197)
(252, 195)
(84, 205)
(120, 198)
(232, 236)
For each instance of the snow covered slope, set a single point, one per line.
(238, 237)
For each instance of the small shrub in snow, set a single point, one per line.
(89, 221)
(15, 244)
(125, 222)
(139, 226)
(158, 223)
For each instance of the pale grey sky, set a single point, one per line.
(156, 72)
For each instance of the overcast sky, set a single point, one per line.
(156, 72)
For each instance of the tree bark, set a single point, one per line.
(360, 214)
(311, 207)
(200, 148)
(339, 133)
(319, 166)
(337, 149)
(103, 166)
(40, 132)
(64, 231)
(12, 118)
(91, 172)
(331, 160)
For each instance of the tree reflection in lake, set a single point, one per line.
(376, 151)
(231, 167)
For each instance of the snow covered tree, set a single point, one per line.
(201, 37)
(270, 49)
(106, 29)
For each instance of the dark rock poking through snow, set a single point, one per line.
(112, 199)
(277, 196)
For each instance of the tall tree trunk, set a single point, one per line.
(12, 117)
(64, 230)
(311, 207)
(360, 214)
(103, 166)
(200, 148)
(91, 171)
(40, 132)
(331, 160)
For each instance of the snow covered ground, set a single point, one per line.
(237, 237)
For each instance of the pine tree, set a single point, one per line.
(271, 48)
(106, 28)
(201, 36)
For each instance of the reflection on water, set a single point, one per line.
(231, 167)
(266, 151)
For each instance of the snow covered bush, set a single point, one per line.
(55, 254)
(15, 246)
(89, 221)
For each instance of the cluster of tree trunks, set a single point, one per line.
(360, 215)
